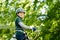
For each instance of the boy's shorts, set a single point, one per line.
(21, 36)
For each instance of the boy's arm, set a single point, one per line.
(24, 26)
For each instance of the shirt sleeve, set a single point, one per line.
(19, 21)
(24, 26)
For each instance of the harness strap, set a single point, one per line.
(20, 31)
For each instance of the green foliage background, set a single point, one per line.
(49, 27)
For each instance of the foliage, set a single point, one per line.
(44, 14)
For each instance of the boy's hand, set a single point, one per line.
(33, 28)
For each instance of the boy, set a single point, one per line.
(20, 26)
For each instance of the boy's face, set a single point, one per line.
(21, 14)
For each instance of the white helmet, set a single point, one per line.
(20, 10)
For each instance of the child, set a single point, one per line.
(20, 26)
